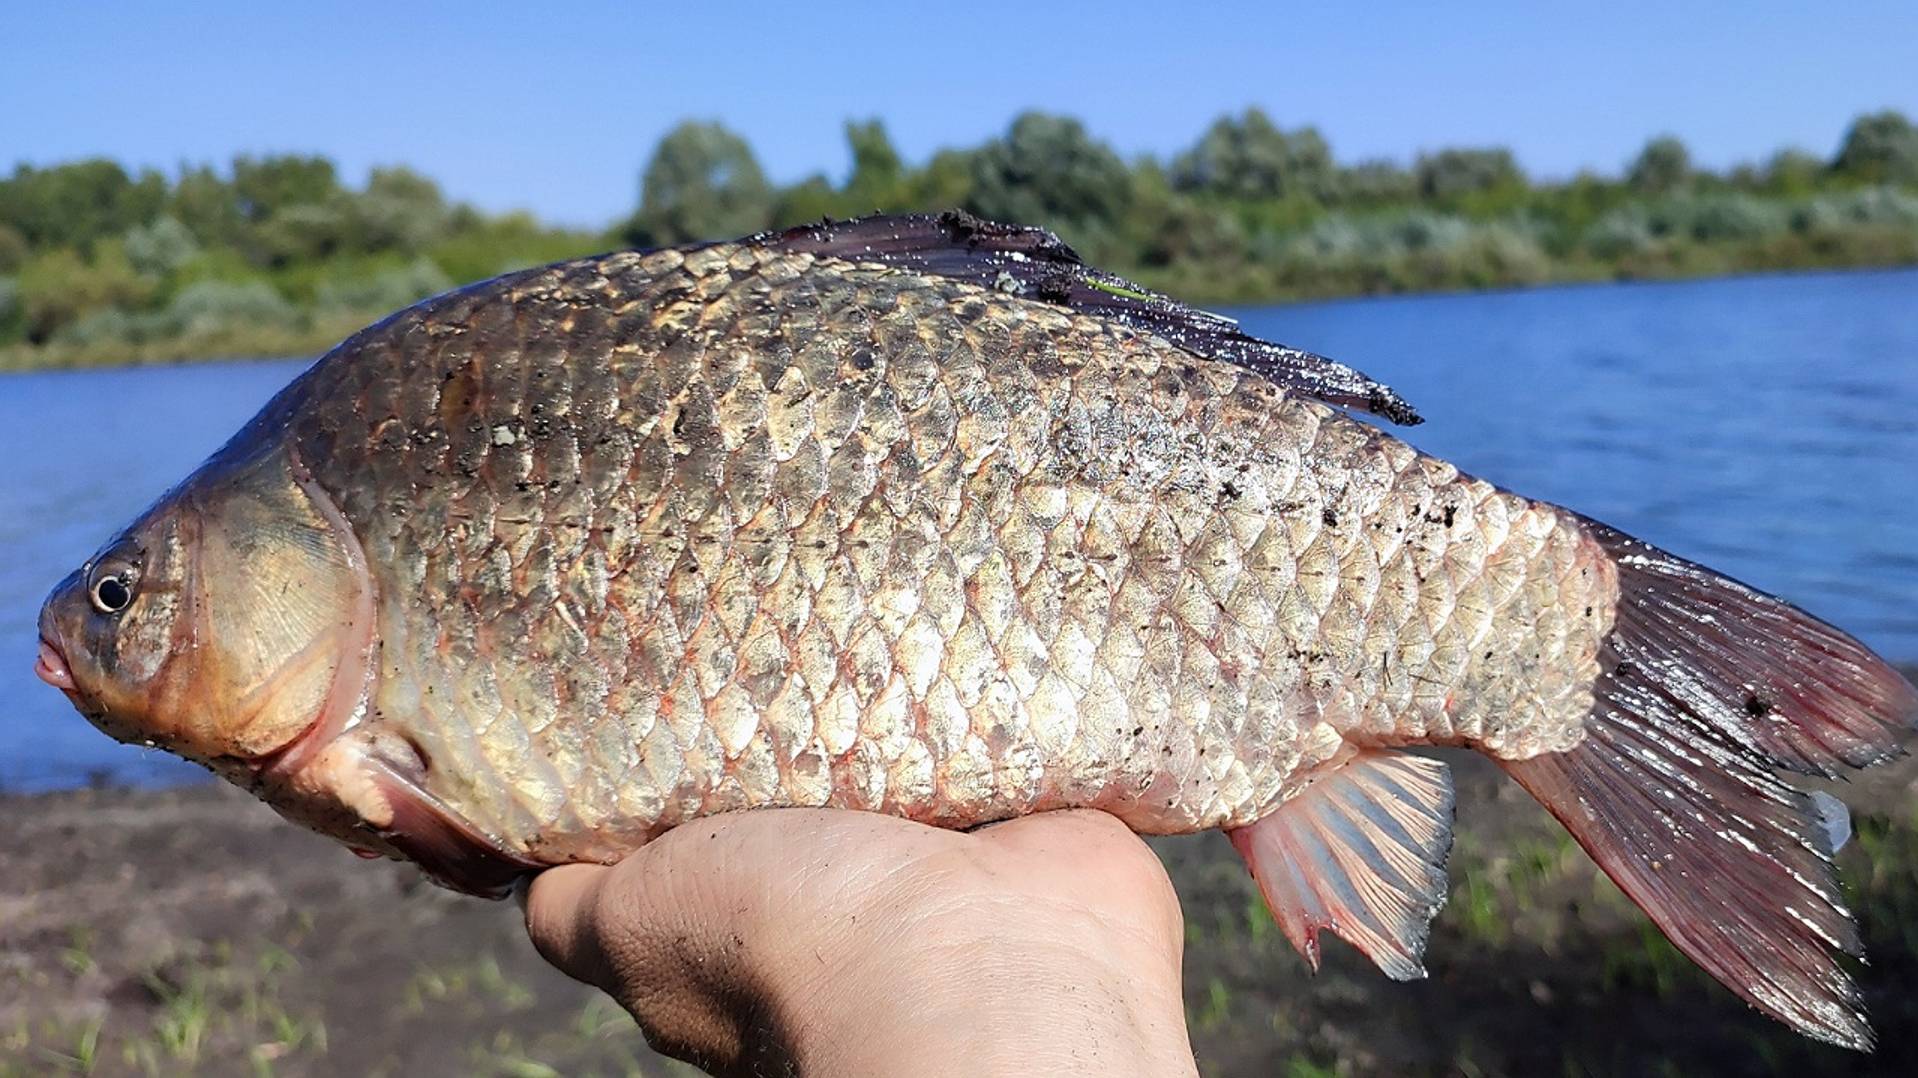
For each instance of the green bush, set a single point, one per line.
(702, 183)
(1334, 237)
(110, 325)
(1792, 172)
(265, 187)
(13, 248)
(1884, 206)
(1248, 157)
(1049, 169)
(1505, 253)
(58, 287)
(1626, 230)
(1371, 182)
(1717, 217)
(276, 253)
(305, 233)
(400, 210)
(78, 203)
(385, 291)
(12, 313)
(161, 247)
(1663, 166)
(1421, 230)
(1450, 174)
(1880, 148)
(1735, 215)
(209, 308)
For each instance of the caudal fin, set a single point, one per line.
(1709, 688)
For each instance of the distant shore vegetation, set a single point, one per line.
(277, 255)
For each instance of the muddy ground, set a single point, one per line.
(191, 931)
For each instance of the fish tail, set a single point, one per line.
(1708, 689)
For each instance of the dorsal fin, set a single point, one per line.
(1035, 264)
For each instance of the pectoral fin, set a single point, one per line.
(368, 789)
(445, 846)
(1361, 851)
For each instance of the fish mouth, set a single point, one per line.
(51, 666)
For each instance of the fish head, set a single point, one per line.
(230, 623)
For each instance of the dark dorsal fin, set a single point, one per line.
(1034, 263)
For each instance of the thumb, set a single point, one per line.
(562, 907)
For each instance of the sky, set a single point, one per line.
(554, 108)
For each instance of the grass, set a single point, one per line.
(78, 955)
(1304, 1067)
(1217, 1008)
(198, 1009)
(480, 982)
(83, 1055)
(1539, 966)
(220, 1006)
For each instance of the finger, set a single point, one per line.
(1048, 831)
(1093, 850)
(562, 907)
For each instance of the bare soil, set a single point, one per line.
(190, 930)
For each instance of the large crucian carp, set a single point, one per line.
(922, 515)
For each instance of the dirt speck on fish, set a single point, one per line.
(921, 515)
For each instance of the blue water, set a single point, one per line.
(1767, 426)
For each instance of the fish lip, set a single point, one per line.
(51, 666)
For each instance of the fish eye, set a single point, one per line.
(112, 593)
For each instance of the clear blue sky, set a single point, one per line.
(554, 107)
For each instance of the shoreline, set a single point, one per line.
(280, 345)
(156, 931)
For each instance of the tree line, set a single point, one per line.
(277, 254)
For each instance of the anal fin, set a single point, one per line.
(1361, 851)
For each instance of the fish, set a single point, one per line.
(924, 515)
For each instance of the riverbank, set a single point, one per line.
(233, 342)
(1382, 274)
(262, 256)
(190, 929)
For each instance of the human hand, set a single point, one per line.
(820, 941)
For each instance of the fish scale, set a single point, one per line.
(923, 515)
(780, 531)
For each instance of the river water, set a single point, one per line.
(1767, 426)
